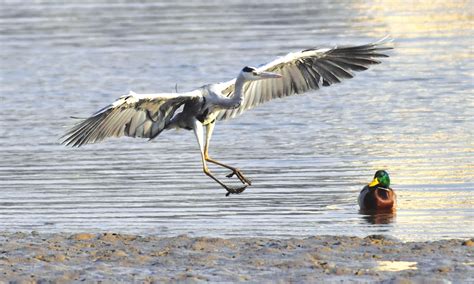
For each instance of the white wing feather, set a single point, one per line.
(303, 71)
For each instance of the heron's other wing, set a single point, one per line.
(134, 115)
(309, 69)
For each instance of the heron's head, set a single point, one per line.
(251, 74)
(381, 179)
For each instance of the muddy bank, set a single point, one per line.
(33, 257)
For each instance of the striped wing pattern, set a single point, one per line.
(303, 71)
(132, 115)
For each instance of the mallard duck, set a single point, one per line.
(378, 195)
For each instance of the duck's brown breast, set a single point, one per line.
(378, 199)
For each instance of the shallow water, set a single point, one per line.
(308, 156)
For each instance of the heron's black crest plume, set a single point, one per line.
(248, 69)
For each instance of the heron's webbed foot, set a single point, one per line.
(240, 176)
(234, 190)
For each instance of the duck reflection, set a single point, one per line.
(378, 216)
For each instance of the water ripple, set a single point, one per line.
(308, 156)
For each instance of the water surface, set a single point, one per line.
(308, 156)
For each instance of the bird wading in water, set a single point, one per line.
(147, 115)
(378, 195)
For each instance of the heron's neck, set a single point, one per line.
(238, 98)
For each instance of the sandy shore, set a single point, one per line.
(33, 257)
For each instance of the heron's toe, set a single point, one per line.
(235, 190)
(230, 175)
(246, 180)
(240, 176)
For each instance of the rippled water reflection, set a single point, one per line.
(308, 155)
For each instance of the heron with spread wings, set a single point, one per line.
(147, 115)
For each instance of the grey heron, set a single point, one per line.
(147, 115)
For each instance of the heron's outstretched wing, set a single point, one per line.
(305, 70)
(134, 115)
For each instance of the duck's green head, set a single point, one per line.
(381, 179)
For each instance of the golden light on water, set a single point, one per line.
(402, 17)
(439, 158)
(434, 199)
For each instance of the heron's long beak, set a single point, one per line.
(268, 75)
(374, 182)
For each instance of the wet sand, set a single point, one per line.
(110, 257)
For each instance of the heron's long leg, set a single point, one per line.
(198, 131)
(235, 171)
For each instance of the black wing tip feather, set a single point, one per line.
(341, 63)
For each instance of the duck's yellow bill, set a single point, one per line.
(374, 182)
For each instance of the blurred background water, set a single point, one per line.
(308, 156)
